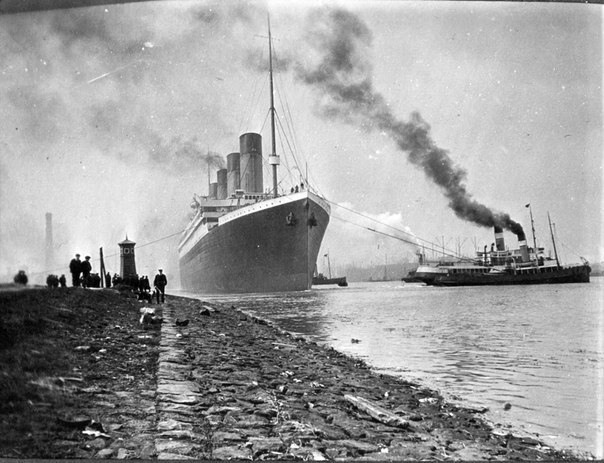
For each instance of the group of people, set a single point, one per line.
(159, 284)
(80, 271)
(54, 281)
(296, 189)
(81, 276)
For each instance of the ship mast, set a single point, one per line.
(534, 239)
(553, 240)
(273, 159)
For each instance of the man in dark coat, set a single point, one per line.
(160, 283)
(75, 267)
(86, 268)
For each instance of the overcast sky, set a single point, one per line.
(108, 113)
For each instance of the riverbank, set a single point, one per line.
(82, 378)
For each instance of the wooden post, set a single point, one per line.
(102, 267)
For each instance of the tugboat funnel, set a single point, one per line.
(524, 253)
(499, 238)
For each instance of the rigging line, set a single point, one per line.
(571, 250)
(381, 232)
(296, 152)
(381, 223)
(289, 169)
(264, 121)
(160, 239)
(289, 129)
(417, 238)
(287, 116)
(449, 253)
(253, 104)
(292, 130)
(297, 163)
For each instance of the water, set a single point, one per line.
(538, 348)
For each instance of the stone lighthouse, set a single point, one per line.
(127, 261)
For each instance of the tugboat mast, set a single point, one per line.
(534, 239)
(553, 240)
(273, 159)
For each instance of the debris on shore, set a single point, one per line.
(82, 377)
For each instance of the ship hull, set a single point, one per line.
(541, 275)
(259, 251)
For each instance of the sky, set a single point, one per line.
(420, 120)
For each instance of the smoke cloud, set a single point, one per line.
(340, 71)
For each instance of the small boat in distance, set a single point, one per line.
(501, 266)
(320, 279)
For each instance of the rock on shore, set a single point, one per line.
(82, 377)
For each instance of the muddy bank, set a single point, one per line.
(215, 383)
(264, 394)
(77, 375)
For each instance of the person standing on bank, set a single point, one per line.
(160, 283)
(75, 267)
(86, 269)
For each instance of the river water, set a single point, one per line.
(538, 348)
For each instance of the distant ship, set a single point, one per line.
(320, 279)
(243, 240)
(500, 266)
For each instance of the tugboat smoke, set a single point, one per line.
(342, 75)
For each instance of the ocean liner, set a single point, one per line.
(244, 240)
(501, 266)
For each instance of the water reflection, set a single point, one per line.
(301, 312)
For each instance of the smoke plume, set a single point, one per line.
(341, 73)
(182, 154)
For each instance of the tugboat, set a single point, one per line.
(505, 267)
(320, 279)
